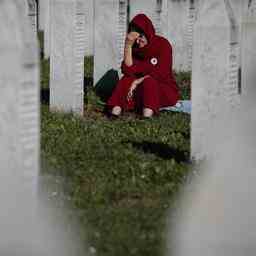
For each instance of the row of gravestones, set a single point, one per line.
(223, 65)
(44, 17)
(172, 18)
(108, 20)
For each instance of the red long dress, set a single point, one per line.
(155, 59)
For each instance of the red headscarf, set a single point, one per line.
(146, 25)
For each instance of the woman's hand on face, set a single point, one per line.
(134, 85)
(131, 38)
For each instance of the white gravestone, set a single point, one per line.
(47, 25)
(44, 24)
(226, 224)
(217, 213)
(248, 49)
(67, 55)
(235, 12)
(158, 12)
(107, 37)
(152, 8)
(122, 30)
(28, 226)
(89, 27)
(192, 13)
(19, 126)
(19, 104)
(162, 14)
(215, 71)
(41, 13)
(32, 13)
(178, 20)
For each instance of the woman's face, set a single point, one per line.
(141, 41)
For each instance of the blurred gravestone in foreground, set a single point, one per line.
(216, 67)
(217, 213)
(19, 128)
(19, 103)
(30, 226)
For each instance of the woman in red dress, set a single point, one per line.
(148, 83)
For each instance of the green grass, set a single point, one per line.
(183, 80)
(41, 40)
(45, 73)
(45, 64)
(123, 175)
(88, 66)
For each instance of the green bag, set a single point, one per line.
(105, 86)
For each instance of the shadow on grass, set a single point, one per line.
(161, 150)
(45, 96)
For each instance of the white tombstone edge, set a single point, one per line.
(47, 26)
(32, 13)
(178, 22)
(248, 49)
(214, 76)
(41, 14)
(67, 55)
(89, 26)
(106, 24)
(19, 107)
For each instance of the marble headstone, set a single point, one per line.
(108, 36)
(67, 55)
(217, 212)
(248, 49)
(47, 24)
(234, 87)
(44, 24)
(32, 13)
(41, 13)
(122, 29)
(192, 14)
(152, 8)
(178, 25)
(29, 226)
(19, 126)
(215, 76)
(162, 13)
(89, 27)
(19, 104)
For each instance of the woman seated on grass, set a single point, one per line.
(148, 83)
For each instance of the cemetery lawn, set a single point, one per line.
(123, 175)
